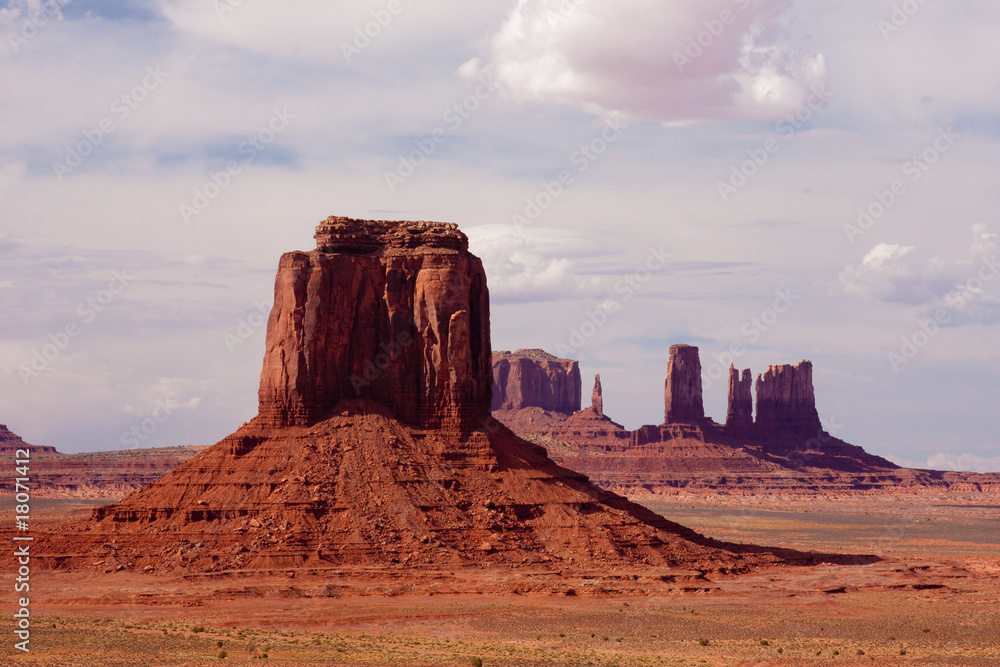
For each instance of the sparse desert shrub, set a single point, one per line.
(222, 655)
(836, 652)
(198, 628)
(860, 652)
(781, 650)
(764, 642)
(902, 651)
(703, 641)
(477, 662)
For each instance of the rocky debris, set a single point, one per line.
(682, 390)
(739, 414)
(396, 313)
(535, 378)
(785, 400)
(597, 397)
(403, 475)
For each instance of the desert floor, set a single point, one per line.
(933, 599)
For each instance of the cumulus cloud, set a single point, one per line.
(965, 287)
(521, 270)
(669, 61)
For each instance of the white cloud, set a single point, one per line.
(670, 61)
(963, 462)
(522, 270)
(964, 286)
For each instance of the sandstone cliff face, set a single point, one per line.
(785, 400)
(597, 397)
(682, 391)
(397, 313)
(535, 378)
(739, 414)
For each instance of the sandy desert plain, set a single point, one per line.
(930, 598)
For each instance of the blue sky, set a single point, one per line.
(818, 178)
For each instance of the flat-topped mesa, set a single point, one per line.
(786, 401)
(535, 378)
(597, 397)
(393, 312)
(682, 391)
(739, 414)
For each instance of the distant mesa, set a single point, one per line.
(10, 442)
(782, 449)
(535, 378)
(374, 444)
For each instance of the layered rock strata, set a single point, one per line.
(535, 378)
(786, 401)
(396, 313)
(682, 390)
(739, 413)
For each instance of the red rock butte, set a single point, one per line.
(374, 444)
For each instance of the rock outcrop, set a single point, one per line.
(682, 390)
(597, 397)
(10, 441)
(786, 402)
(739, 413)
(401, 472)
(535, 378)
(396, 313)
